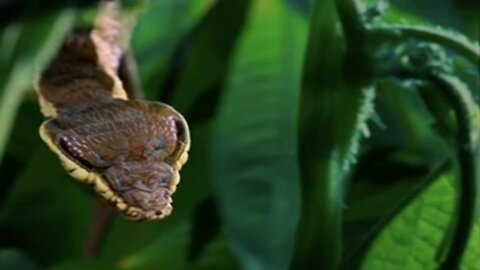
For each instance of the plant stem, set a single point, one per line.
(466, 111)
(349, 12)
(358, 67)
(458, 95)
(454, 41)
(358, 37)
(101, 223)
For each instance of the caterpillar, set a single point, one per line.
(130, 151)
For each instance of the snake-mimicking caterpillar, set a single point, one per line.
(130, 151)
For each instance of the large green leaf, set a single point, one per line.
(209, 56)
(398, 161)
(160, 28)
(206, 226)
(321, 194)
(166, 252)
(25, 47)
(45, 212)
(416, 237)
(471, 261)
(334, 108)
(170, 252)
(254, 152)
(81, 264)
(14, 259)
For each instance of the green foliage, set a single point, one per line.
(154, 45)
(254, 158)
(25, 47)
(13, 259)
(331, 114)
(428, 219)
(325, 135)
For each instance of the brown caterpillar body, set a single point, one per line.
(130, 151)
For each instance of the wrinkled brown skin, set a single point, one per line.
(136, 147)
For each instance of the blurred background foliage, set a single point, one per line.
(299, 158)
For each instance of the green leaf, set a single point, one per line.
(208, 57)
(321, 195)
(416, 237)
(14, 259)
(45, 212)
(25, 47)
(158, 31)
(166, 252)
(471, 260)
(376, 206)
(81, 264)
(206, 226)
(402, 157)
(217, 256)
(254, 151)
(334, 108)
(170, 252)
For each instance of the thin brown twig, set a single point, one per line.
(101, 223)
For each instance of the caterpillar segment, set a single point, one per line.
(129, 151)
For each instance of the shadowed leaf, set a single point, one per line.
(25, 47)
(254, 151)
